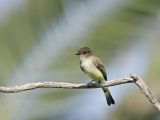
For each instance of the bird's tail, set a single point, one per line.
(108, 95)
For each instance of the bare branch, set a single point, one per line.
(132, 79)
(65, 85)
(146, 91)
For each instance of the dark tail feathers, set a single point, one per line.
(109, 97)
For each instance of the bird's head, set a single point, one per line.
(84, 51)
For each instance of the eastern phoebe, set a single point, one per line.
(94, 68)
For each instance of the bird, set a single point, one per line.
(94, 68)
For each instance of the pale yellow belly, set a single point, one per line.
(94, 73)
(91, 70)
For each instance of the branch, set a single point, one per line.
(146, 91)
(131, 79)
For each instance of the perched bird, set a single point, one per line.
(94, 68)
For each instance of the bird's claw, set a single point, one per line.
(91, 84)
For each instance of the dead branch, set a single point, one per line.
(131, 79)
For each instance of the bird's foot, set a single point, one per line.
(99, 82)
(92, 84)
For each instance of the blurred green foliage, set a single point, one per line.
(23, 29)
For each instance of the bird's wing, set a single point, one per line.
(100, 66)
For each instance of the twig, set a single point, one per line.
(146, 91)
(65, 85)
(132, 79)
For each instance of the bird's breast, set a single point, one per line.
(91, 70)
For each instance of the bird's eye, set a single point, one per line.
(84, 52)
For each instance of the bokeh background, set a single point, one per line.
(38, 39)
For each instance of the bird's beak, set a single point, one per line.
(77, 53)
